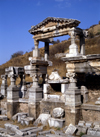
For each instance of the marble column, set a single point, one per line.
(4, 85)
(36, 50)
(23, 87)
(82, 45)
(46, 56)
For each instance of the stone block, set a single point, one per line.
(93, 132)
(56, 122)
(3, 117)
(22, 115)
(57, 97)
(89, 124)
(34, 130)
(27, 120)
(64, 87)
(71, 129)
(81, 123)
(3, 112)
(32, 135)
(43, 119)
(14, 129)
(45, 88)
(28, 129)
(58, 112)
(44, 132)
(81, 130)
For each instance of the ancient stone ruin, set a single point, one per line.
(71, 110)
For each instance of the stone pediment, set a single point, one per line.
(51, 23)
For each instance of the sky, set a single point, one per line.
(17, 17)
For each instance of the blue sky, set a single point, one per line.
(17, 17)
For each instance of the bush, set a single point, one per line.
(91, 34)
(16, 54)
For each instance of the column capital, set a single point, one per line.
(71, 76)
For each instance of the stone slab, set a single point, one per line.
(44, 132)
(81, 130)
(71, 129)
(28, 129)
(31, 135)
(34, 130)
(81, 123)
(3, 117)
(93, 132)
(89, 124)
(53, 122)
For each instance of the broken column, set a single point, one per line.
(4, 85)
(82, 45)
(36, 50)
(23, 88)
(82, 37)
(12, 93)
(73, 48)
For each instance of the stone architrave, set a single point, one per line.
(4, 85)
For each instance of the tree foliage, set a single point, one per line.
(16, 54)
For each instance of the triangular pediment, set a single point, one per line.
(50, 23)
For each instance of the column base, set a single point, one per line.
(72, 115)
(12, 101)
(12, 108)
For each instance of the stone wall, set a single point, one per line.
(48, 106)
(93, 95)
(91, 115)
(23, 107)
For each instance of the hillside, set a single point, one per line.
(92, 46)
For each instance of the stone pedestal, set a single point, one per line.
(73, 101)
(12, 100)
(35, 96)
